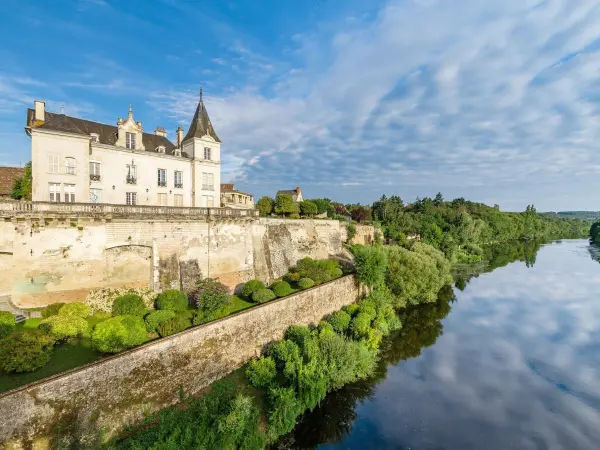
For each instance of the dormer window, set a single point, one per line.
(95, 137)
(177, 152)
(130, 141)
(160, 149)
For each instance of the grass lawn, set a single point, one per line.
(239, 304)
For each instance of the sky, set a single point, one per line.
(497, 101)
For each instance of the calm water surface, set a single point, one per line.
(512, 362)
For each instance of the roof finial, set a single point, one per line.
(62, 109)
(130, 110)
(200, 93)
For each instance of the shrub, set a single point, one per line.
(211, 296)
(325, 328)
(371, 264)
(64, 326)
(155, 318)
(285, 409)
(119, 333)
(281, 289)
(360, 325)
(25, 352)
(265, 206)
(305, 283)
(102, 315)
(293, 276)
(284, 204)
(7, 323)
(51, 310)
(263, 295)
(301, 336)
(308, 208)
(336, 273)
(261, 372)
(173, 325)
(284, 351)
(172, 300)
(340, 321)
(318, 271)
(103, 299)
(75, 309)
(252, 286)
(129, 305)
(352, 309)
(351, 227)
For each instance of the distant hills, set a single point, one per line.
(586, 215)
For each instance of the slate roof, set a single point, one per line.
(229, 188)
(201, 124)
(107, 134)
(8, 175)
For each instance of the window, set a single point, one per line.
(160, 149)
(94, 171)
(162, 199)
(177, 152)
(131, 198)
(211, 201)
(130, 140)
(95, 137)
(162, 177)
(131, 174)
(207, 153)
(208, 181)
(54, 189)
(178, 200)
(95, 195)
(178, 179)
(69, 193)
(53, 164)
(70, 166)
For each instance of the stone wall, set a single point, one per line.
(46, 260)
(117, 391)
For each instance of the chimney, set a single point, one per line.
(160, 131)
(40, 108)
(179, 136)
(297, 190)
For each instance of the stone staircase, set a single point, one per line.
(6, 305)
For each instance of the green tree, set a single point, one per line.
(22, 185)
(438, 200)
(371, 264)
(308, 208)
(265, 206)
(284, 204)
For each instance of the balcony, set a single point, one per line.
(208, 187)
(178, 185)
(162, 184)
(131, 180)
(94, 177)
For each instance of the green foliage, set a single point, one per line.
(308, 208)
(595, 232)
(284, 204)
(263, 295)
(305, 283)
(7, 323)
(301, 336)
(324, 205)
(22, 186)
(281, 289)
(261, 372)
(361, 325)
(173, 325)
(129, 305)
(285, 409)
(119, 333)
(284, 352)
(371, 264)
(51, 310)
(155, 318)
(64, 326)
(25, 352)
(251, 286)
(172, 300)
(340, 321)
(351, 229)
(320, 271)
(352, 309)
(211, 297)
(75, 309)
(265, 206)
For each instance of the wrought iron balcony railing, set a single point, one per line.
(94, 177)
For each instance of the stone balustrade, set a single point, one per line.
(16, 209)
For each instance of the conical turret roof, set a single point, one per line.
(201, 124)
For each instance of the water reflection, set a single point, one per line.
(515, 365)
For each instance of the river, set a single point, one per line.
(511, 361)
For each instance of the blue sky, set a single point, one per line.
(494, 100)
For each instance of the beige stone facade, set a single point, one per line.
(232, 198)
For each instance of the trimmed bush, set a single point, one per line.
(261, 372)
(325, 328)
(63, 326)
(252, 286)
(119, 333)
(336, 273)
(351, 309)
(294, 276)
(129, 305)
(172, 300)
(51, 310)
(305, 283)
(173, 325)
(7, 323)
(281, 289)
(211, 296)
(263, 295)
(25, 352)
(155, 318)
(103, 299)
(340, 321)
(75, 309)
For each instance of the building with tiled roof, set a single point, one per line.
(78, 160)
(296, 194)
(232, 198)
(8, 175)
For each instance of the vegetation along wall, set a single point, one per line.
(47, 260)
(117, 391)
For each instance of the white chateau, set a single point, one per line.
(76, 160)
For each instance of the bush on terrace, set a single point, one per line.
(7, 323)
(51, 310)
(172, 300)
(129, 305)
(25, 352)
(211, 297)
(251, 286)
(119, 333)
(305, 283)
(281, 289)
(155, 318)
(263, 295)
(75, 309)
(64, 326)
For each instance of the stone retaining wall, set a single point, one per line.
(106, 395)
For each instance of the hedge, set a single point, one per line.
(155, 318)
(172, 300)
(129, 305)
(119, 333)
(263, 295)
(63, 326)
(75, 309)
(25, 352)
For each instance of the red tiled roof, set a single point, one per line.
(8, 175)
